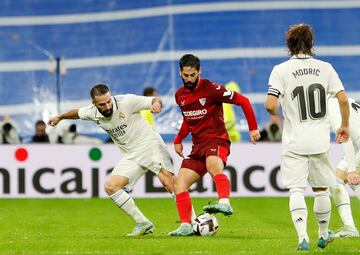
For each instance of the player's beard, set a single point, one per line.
(107, 114)
(191, 85)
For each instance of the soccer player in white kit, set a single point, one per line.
(348, 169)
(143, 148)
(303, 84)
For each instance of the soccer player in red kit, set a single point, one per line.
(200, 101)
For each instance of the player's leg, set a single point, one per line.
(184, 180)
(342, 202)
(215, 167)
(294, 171)
(168, 181)
(216, 156)
(124, 176)
(322, 176)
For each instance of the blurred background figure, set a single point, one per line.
(9, 134)
(40, 133)
(71, 136)
(272, 131)
(147, 114)
(230, 115)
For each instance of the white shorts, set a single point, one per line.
(154, 159)
(298, 170)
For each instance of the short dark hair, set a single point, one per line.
(300, 38)
(99, 90)
(40, 122)
(148, 91)
(189, 60)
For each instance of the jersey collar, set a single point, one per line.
(301, 56)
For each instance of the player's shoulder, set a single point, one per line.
(211, 84)
(125, 98)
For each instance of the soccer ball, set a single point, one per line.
(205, 225)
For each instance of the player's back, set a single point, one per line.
(306, 84)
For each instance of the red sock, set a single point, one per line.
(183, 204)
(222, 184)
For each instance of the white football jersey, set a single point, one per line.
(126, 127)
(353, 146)
(304, 84)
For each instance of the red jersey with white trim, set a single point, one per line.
(203, 111)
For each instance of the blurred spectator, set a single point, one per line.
(230, 116)
(272, 131)
(73, 137)
(40, 133)
(147, 114)
(9, 134)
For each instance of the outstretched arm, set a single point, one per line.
(72, 114)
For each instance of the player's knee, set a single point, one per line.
(296, 190)
(179, 187)
(315, 189)
(111, 188)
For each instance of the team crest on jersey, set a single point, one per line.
(202, 101)
(121, 115)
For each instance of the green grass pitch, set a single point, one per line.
(97, 226)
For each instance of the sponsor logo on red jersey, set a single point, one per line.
(195, 113)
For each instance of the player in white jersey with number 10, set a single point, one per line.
(348, 169)
(304, 84)
(143, 148)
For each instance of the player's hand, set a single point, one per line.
(54, 120)
(342, 135)
(353, 178)
(254, 136)
(156, 107)
(179, 149)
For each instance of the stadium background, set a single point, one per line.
(133, 44)
(130, 45)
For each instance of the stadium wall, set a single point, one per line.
(80, 171)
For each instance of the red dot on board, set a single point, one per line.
(21, 154)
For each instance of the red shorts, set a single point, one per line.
(196, 161)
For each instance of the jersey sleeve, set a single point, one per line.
(276, 85)
(138, 103)
(87, 112)
(221, 94)
(335, 84)
(183, 132)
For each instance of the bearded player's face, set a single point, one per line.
(104, 104)
(190, 77)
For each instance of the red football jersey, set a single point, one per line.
(203, 111)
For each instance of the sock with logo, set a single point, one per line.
(122, 199)
(322, 210)
(184, 206)
(222, 185)
(342, 202)
(299, 212)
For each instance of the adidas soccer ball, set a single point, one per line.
(205, 225)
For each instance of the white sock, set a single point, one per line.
(322, 210)
(342, 202)
(224, 201)
(122, 199)
(299, 212)
(356, 189)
